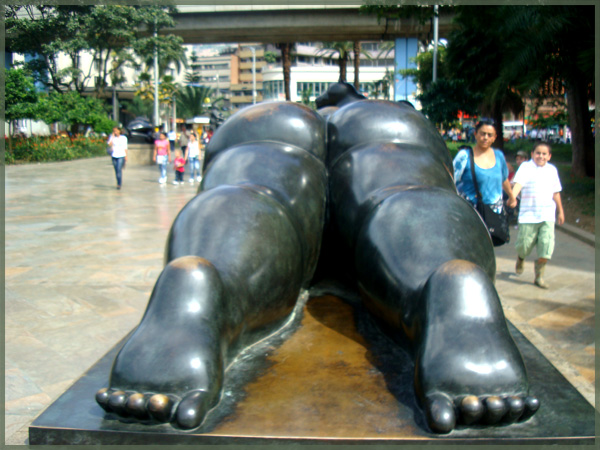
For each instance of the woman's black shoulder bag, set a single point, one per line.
(496, 223)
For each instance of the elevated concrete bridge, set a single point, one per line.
(289, 23)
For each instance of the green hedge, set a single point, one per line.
(53, 148)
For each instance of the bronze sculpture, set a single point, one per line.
(242, 251)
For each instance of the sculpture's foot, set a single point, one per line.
(444, 412)
(186, 413)
(171, 367)
(469, 369)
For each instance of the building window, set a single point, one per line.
(316, 88)
(272, 89)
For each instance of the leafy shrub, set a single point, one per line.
(54, 148)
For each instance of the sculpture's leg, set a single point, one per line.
(172, 364)
(201, 313)
(468, 368)
(425, 279)
(237, 257)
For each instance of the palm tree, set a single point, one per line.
(357, 51)
(342, 49)
(191, 100)
(138, 107)
(286, 49)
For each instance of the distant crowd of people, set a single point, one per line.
(190, 152)
(467, 135)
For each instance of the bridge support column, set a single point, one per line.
(405, 51)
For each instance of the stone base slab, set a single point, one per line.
(329, 378)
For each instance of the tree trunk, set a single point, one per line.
(342, 63)
(497, 116)
(583, 157)
(356, 65)
(286, 63)
(11, 130)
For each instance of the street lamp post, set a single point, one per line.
(156, 112)
(253, 50)
(435, 40)
(174, 113)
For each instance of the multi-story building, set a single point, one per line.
(249, 86)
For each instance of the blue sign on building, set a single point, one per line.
(405, 54)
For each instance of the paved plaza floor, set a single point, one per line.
(81, 259)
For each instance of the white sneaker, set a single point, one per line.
(199, 179)
(162, 180)
(191, 180)
(175, 182)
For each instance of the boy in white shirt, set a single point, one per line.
(540, 187)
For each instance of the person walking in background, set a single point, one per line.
(521, 157)
(179, 164)
(172, 136)
(118, 144)
(206, 136)
(541, 207)
(162, 156)
(183, 140)
(192, 155)
(490, 168)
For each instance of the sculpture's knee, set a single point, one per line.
(189, 287)
(459, 289)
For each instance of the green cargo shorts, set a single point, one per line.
(539, 235)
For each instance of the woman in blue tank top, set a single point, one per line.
(490, 168)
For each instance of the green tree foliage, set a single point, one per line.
(138, 107)
(20, 99)
(47, 31)
(191, 101)
(169, 47)
(114, 35)
(20, 96)
(551, 50)
(193, 76)
(75, 110)
(475, 54)
(423, 74)
(443, 99)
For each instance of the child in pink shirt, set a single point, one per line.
(179, 164)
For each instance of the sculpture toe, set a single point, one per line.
(515, 406)
(102, 397)
(137, 406)
(441, 417)
(495, 409)
(160, 407)
(192, 410)
(532, 404)
(117, 401)
(471, 409)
